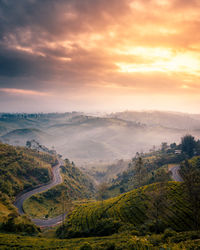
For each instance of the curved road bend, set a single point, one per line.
(57, 179)
(175, 173)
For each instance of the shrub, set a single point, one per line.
(86, 246)
(152, 226)
(155, 239)
(17, 224)
(130, 228)
(106, 226)
(169, 233)
(184, 236)
(109, 246)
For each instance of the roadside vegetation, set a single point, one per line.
(51, 203)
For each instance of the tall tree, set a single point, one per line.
(102, 191)
(139, 171)
(164, 146)
(188, 145)
(191, 177)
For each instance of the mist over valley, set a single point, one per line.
(89, 140)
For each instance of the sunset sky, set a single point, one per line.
(99, 55)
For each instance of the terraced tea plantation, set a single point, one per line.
(140, 209)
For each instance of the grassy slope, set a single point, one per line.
(75, 185)
(120, 242)
(20, 168)
(132, 208)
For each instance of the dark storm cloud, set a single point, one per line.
(55, 17)
(26, 26)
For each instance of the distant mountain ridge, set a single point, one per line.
(165, 119)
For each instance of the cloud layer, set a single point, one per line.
(70, 48)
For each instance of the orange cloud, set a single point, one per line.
(23, 92)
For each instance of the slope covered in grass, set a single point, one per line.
(187, 240)
(21, 168)
(138, 209)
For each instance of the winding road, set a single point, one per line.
(57, 179)
(175, 173)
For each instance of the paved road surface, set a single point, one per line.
(49, 222)
(175, 173)
(57, 179)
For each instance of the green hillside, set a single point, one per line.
(21, 168)
(155, 168)
(175, 241)
(76, 185)
(150, 208)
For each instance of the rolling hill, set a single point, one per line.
(160, 118)
(21, 136)
(135, 210)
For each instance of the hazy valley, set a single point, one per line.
(90, 139)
